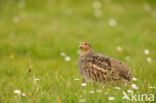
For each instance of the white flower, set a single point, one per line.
(82, 100)
(151, 87)
(21, 4)
(134, 79)
(91, 92)
(112, 22)
(23, 94)
(99, 90)
(15, 19)
(67, 58)
(134, 86)
(119, 48)
(129, 91)
(96, 5)
(111, 98)
(118, 88)
(63, 54)
(36, 80)
(76, 79)
(147, 7)
(146, 51)
(83, 84)
(98, 13)
(149, 59)
(106, 93)
(17, 92)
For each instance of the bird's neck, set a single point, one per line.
(86, 53)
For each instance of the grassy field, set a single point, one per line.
(33, 34)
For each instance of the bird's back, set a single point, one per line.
(98, 67)
(122, 69)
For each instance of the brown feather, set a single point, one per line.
(98, 67)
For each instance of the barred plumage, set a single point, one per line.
(98, 67)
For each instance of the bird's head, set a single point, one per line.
(85, 48)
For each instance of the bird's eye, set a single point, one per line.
(85, 43)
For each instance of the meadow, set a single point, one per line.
(39, 48)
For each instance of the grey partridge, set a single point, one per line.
(100, 68)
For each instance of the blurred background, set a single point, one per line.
(44, 35)
(43, 28)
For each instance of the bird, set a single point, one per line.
(97, 67)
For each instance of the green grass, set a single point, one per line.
(45, 28)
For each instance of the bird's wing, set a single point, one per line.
(95, 72)
(100, 61)
(121, 68)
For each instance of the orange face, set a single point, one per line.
(84, 46)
